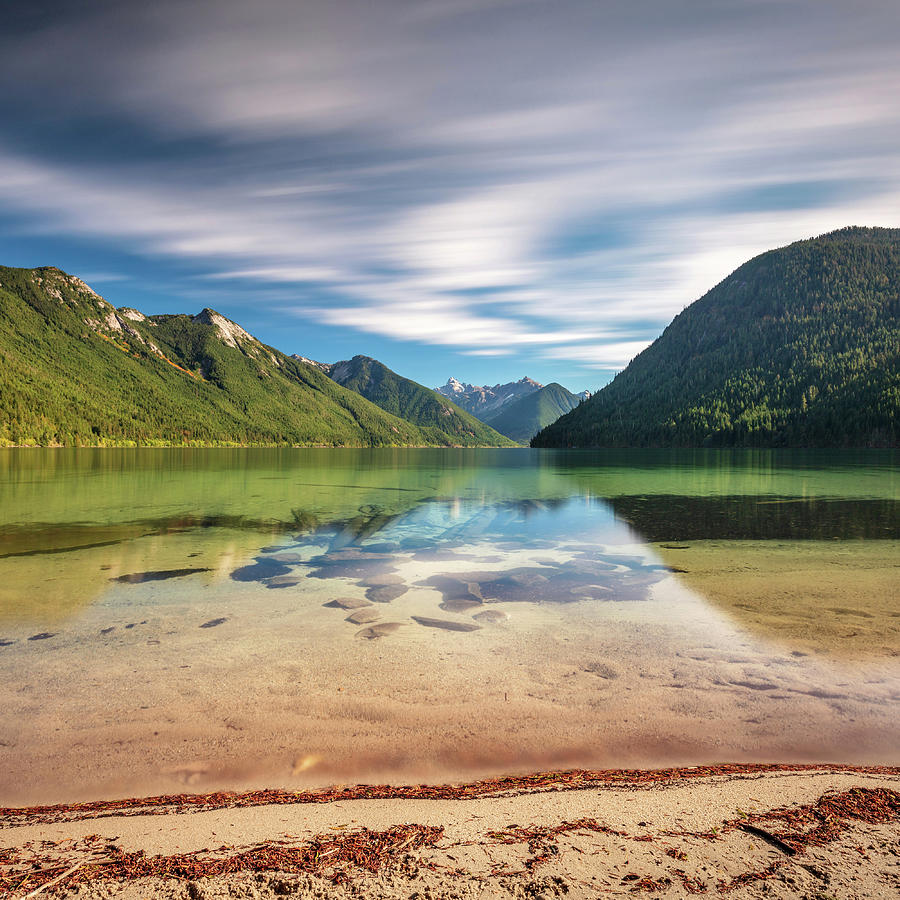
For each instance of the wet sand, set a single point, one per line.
(813, 834)
(215, 680)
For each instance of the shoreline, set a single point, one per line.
(505, 785)
(746, 830)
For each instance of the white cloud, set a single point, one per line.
(278, 274)
(566, 185)
(608, 355)
(489, 351)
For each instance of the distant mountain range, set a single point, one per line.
(518, 409)
(484, 402)
(524, 418)
(800, 347)
(74, 370)
(408, 399)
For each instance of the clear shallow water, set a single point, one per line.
(232, 617)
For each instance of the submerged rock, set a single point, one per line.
(288, 558)
(263, 569)
(383, 580)
(446, 624)
(492, 617)
(335, 557)
(363, 616)
(592, 592)
(356, 567)
(161, 575)
(213, 622)
(440, 554)
(348, 603)
(382, 547)
(460, 605)
(527, 579)
(283, 581)
(378, 631)
(461, 592)
(387, 593)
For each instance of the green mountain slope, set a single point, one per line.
(413, 402)
(525, 417)
(76, 371)
(798, 347)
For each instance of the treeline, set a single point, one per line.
(798, 347)
(75, 372)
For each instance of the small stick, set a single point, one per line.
(53, 881)
(770, 838)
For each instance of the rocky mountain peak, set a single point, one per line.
(321, 366)
(230, 332)
(453, 387)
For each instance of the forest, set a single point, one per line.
(798, 347)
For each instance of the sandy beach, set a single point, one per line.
(741, 831)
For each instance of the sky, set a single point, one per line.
(486, 189)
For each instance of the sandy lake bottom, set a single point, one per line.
(458, 637)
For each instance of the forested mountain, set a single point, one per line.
(798, 347)
(411, 401)
(524, 418)
(484, 402)
(76, 371)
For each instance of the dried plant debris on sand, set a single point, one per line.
(509, 785)
(843, 843)
(331, 856)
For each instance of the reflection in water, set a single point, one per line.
(759, 517)
(211, 617)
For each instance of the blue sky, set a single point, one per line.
(478, 188)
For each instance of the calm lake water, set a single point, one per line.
(197, 619)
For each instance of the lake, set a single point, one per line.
(199, 619)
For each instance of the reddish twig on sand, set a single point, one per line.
(748, 877)
(691, 884)
(540, 839)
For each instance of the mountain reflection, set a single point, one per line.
(75, 521)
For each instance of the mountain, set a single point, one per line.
(74, 370)
(525, 417)
(800, 346)
(411, 401)
(322, 367)
(485, 402)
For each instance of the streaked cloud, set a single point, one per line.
(504, 178)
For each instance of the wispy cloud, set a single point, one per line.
(489, 176)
